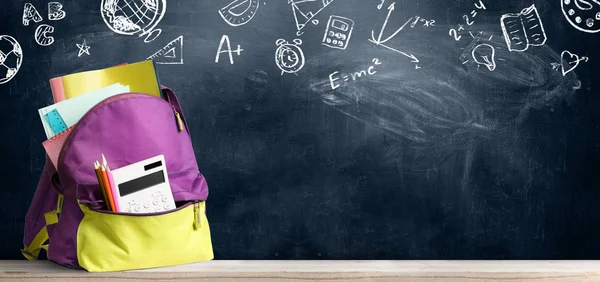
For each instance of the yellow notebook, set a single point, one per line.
(140, 77)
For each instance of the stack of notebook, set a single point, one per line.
(75, 94)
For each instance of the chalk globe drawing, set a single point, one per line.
(131, 17)
(11, 56)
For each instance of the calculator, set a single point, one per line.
(338, 31)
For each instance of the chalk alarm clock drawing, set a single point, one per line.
(288, 56)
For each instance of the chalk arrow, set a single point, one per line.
(390, 10)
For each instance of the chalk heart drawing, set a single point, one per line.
(134, 17)
(30, 13)
(584, 15)
(524, 29)
(289, 56)
(570, 61)
(41, 35)
(485, 54)
(55, 11)
(11, 57)
(170, 54)
(239, 12)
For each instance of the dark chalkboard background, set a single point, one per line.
(448, 161)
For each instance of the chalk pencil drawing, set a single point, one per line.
(11, 57)
(134, 17)
(42, 36)
(289, 57)
(584, 15)
(523, 29)
(170, 54)
(338, 32)
(83, 49)
(30, 13)
(55, 11)
(239, 12)
(225, 40)
(378, 41)
(569, 61)
(305, 10)
(485, 54)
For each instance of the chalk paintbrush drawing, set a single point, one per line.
(381, 42)
(338, 32)
(305, 10)
(134, 17)
(55, 11)
(11, 57)
(225, 40)
(336, 78)
(170, 54)
(239, 12)
(42, 36)
(83, 49)
(485, 55)
(30, 13)
(289, 56)
(569, 61)
(584, 15)
(523, 29)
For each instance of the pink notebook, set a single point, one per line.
(58, 92)
(54, 145)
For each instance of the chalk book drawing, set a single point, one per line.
(11, 57)
(584, 15)
(170, 54)
(134, 17)
(239, 12)
(523, 29)
(306, 10)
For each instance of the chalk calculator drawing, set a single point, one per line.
(134, 17)
(584, 15)
(11, 57)
(338, 32)
(523, 29)
(239, 12)
(305, 10)
(170, 54)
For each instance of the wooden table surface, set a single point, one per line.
(257, 270)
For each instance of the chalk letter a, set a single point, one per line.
(30, 13)
(223, 39)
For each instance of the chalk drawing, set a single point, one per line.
(289, 56)
(239, 12)
(335, 77)
(523, 29)
(41, 35)
(55, 11)
(570, 61)
(469, 20)
(338, 32)
(485, 54)
(584, 15)
(30, 13)
(225, 39)
(134, 17)
(83, 49)
(380, 5)
(11, 57)
(380, 42)
(303, 14)
(170, 54)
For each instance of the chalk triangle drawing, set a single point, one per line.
(171, 54)
(305, 15)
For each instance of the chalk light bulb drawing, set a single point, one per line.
(484, 54)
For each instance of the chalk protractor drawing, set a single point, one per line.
(171, 54)
(583, 15)
(239, 12)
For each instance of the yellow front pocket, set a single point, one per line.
(113, 242)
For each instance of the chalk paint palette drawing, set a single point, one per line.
(289, 57)
(338, 32)
(55, 11)
(569, 61)
(30, 13)
(305, 10)
(134, 17)
(170, 54)
(524, 29)
(584, 15)
(42, 35)
(239, 12)
(11, 57)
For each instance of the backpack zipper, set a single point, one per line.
(197, 215)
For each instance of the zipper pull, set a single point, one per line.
(179, 120)
(197, 216)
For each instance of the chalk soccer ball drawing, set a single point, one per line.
(11, 56)
(130, 17)
(289, 57)
(583, 15)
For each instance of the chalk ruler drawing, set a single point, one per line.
(83, 49)
(378, 41)
(335, 77)
(485, 54)
(338, 32)
(134, 17)
(289, 57)
(239, 12)
(170, 54)
(584, 15)
(469, 20)
(305, 10)
(11, 57)
(225, 39)
(523, 29)
(569, 61)
(42, 36)
(55, 11)
(30, 13)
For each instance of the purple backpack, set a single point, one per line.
(126, 128)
